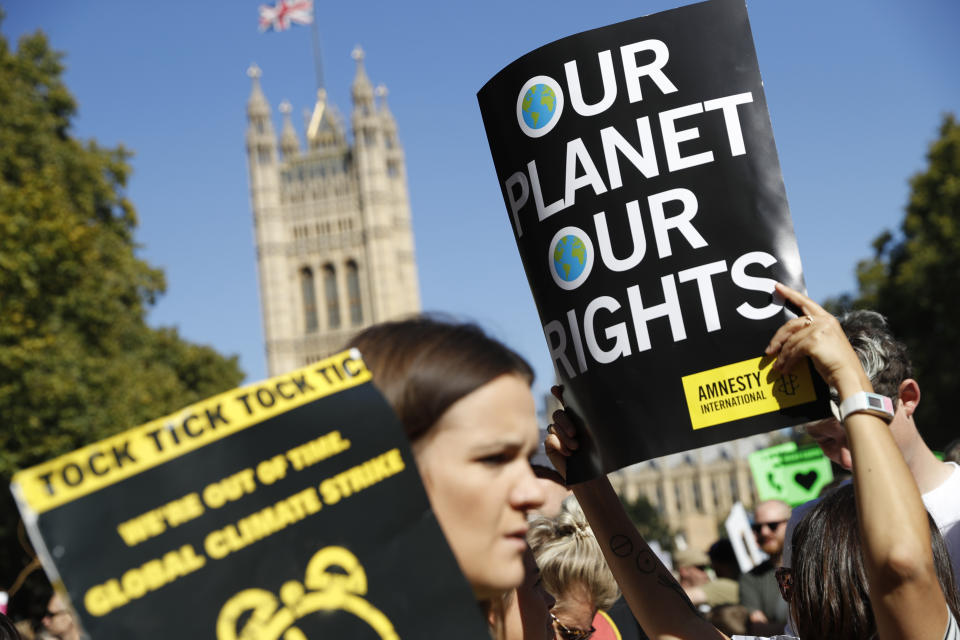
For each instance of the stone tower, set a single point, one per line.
(332, 223)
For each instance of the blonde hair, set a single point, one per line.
(568, 555)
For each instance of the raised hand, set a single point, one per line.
(817, 334)
(561, 440)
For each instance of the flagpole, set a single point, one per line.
(317, 62)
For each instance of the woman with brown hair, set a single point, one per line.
(465, 403)
(864, 565)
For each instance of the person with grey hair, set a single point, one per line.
(887, 365)
(952, 452)
(572, 569)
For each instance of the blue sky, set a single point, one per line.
(856, 90)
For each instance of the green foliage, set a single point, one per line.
(649, 522)
(77, 360)
(914, 279)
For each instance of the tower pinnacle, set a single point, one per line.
(289, 143)
(257, 104)
(362, 89)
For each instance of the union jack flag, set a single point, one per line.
(280, 16)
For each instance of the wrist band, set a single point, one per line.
(864, 402)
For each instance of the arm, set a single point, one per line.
(656, 599)
(904, 591)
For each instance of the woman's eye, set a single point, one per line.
(495, 458)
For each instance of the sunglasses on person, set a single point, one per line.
(758, 526)
(571, 634)
(54, 614)
(784, 576)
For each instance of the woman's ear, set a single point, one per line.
(908, 395)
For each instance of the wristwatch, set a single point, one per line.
(864, 402)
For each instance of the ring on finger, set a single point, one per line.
(808, 320)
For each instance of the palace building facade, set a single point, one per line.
(332, 223)
(694, 491)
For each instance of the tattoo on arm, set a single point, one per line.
(621, 545)
(646, 562)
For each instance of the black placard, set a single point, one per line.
(641, 180)
(287, 509)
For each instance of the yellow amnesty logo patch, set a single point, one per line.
(744, 389)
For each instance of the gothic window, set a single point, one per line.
(392, 169)
(353, 293)
(697, 496)
(309, 300)
(333, 300)
(263, 156)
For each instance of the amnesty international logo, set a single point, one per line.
(334, 581)
(788, 385)
(744, 389)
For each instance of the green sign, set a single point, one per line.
(787, 473)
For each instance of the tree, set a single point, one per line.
(649, 522)
(914, 279)
(77, 360)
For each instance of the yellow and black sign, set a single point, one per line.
(286, 509)
(743, 390)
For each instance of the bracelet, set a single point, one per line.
(864, 402)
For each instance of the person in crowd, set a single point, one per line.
(526, 609)
(58, 621)
(692, 569)
(952, 452)
(573, 571)
(758, 587)
(7, 629)
(726, 614)
(723, 560)
(909, 590)
(887, 365)
(464, 401)
(835, 603)
(691, 566)
(617, 622)
(730, 619)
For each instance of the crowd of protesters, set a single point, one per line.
(872, 558)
